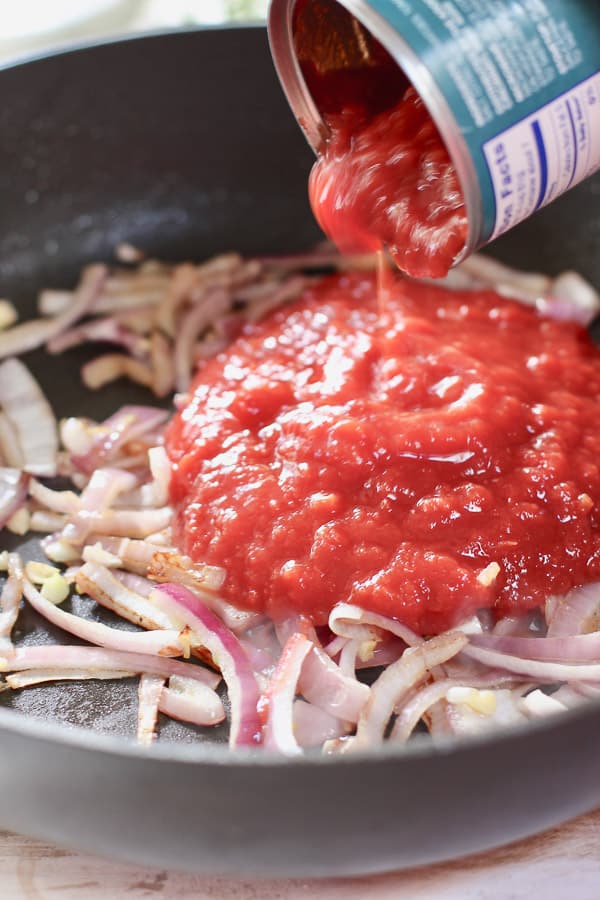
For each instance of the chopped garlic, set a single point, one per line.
(19, 521)
(185, 639)
(488, 575)
(482, 702)
(459, 694)
(39, 572)
(539, 704)
(161, 538)
(61, 552)
(8, 314)
(98, 554)
(55, 589)
(366, 650)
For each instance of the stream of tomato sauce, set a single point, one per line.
(424, 462)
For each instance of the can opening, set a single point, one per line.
(341, 62)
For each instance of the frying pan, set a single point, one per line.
(182, 144)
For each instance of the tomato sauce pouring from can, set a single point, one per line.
(439, 126)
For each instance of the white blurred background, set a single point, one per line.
(31, 26)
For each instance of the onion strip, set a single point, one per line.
(228, 654)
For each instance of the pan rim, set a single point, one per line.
(208, 753)
(70, 48)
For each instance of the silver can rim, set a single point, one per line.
(281, 40)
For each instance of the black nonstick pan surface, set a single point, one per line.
(183, 144)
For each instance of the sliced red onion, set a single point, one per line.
(326, 259)
(524, 286)
(542, 672)
(312, 727)
(162, 362)
(347, 660)
(135, 556)
(140, 319)
(52, 302)
(279, 697)
(130, 299)
(34, 333)
(131, 523)
(149, 692)
(214, 304)
(182, 281)
(56, 501)
(513, 626)
(412, 711)
(262, 646)
(187, 278)
(570, 298)
(99, 494)
(136, 583)
(166, 565)
(10, 449)
(564, 310)
(335, 646)
(10, 598)
(384, 653)
(191, 701)
(77, 435)
(209, 347)
(13, 493)
(398, 680)
(108, 330)
(31, 677)
(64, 657)
(126, 289)
(325, 685)
(163, 642)
(101, 584)
(576, 612)
(108, 367)
(226, 651)
(47, 523)
(31, 416)
(129, 423)
(353, 622)
(580, 648)
(283, 293)
(160, 469)
(95, 553)
(247, 272)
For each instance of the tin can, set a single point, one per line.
(512, 85)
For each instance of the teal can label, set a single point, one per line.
(513, 86)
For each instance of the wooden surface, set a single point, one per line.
(560, 864)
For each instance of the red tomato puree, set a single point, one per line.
(426, 463)
(387, 180)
